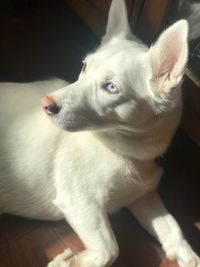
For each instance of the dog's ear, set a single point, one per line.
(118, 25)
(169, 55)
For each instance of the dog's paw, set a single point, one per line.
(62, 260)
(184, 255)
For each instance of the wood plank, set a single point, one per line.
(69, 237)
(134, 240)
(49, 239)
(104, 5)
(135, 14)
(12, 228)
(192, 91)
(90, 14)
(191, 115)
(191, 123)
(152, 18)
(35, 249)
(95, 13)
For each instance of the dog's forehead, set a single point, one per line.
(116, 53)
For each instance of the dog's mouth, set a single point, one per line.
(75, 123)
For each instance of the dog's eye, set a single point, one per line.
(111, 88)
(84, 66)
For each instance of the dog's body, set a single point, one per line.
(108, 161)
(115, 180)
(23, 178)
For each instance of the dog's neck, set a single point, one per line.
(141, 145)
(130, 145)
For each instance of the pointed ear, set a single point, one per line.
(169, 55)
(118, 24)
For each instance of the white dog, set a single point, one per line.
(123, 111)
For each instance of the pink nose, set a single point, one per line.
(49, 105)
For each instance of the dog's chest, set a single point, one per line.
(132, 179)
(93, 170)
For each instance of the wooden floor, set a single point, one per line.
(41, 39)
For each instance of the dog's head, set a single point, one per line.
(123, 84)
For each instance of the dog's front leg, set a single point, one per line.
(152, 214)
(91, 224)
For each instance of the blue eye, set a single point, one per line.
(111, 88)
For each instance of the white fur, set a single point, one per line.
(107, 162)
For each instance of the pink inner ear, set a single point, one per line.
(169, 54)
(172, 56)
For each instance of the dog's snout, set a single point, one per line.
(49, 105)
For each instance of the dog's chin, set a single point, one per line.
(69, 126)
(77, 125)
